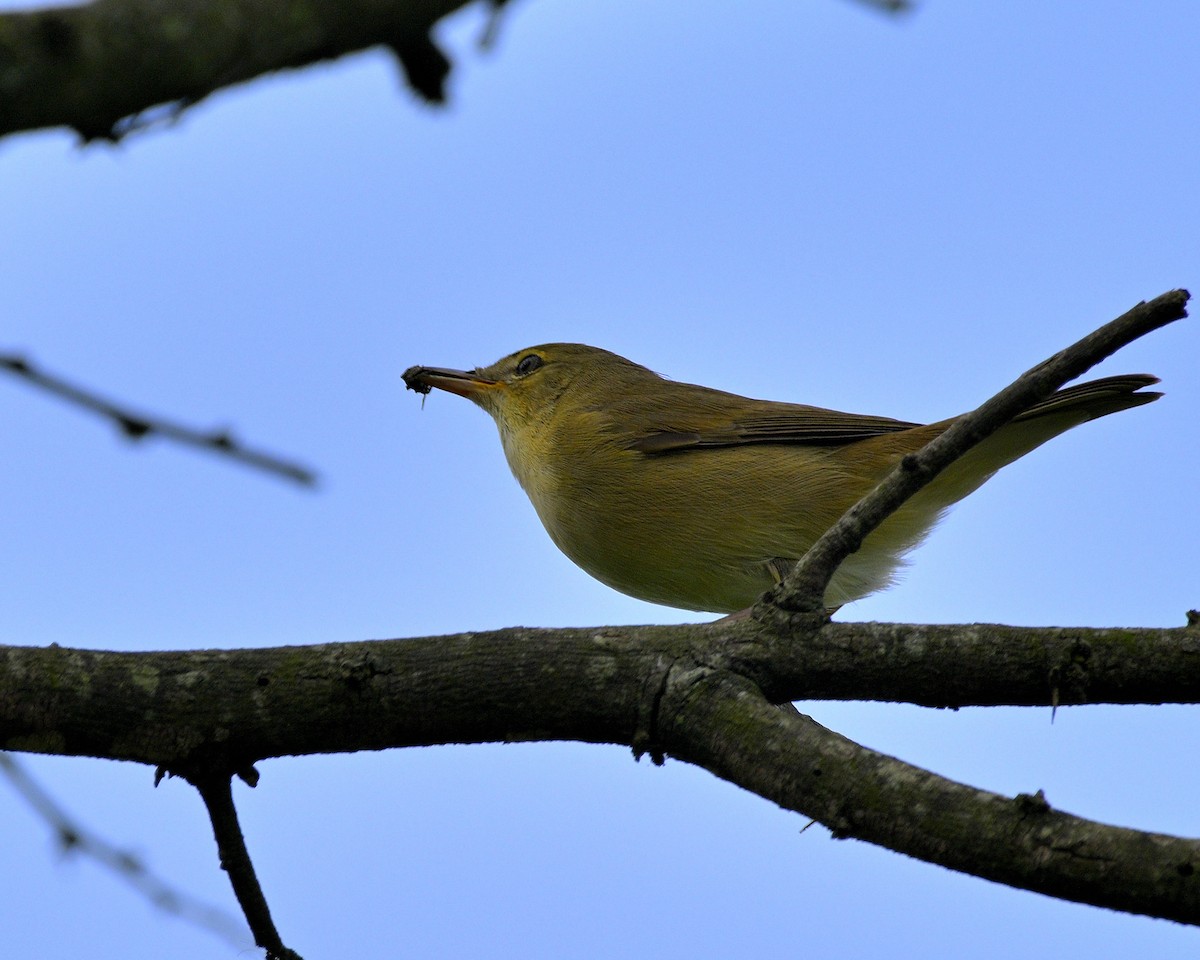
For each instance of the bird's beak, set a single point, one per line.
(463, 382)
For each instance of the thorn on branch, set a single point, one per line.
(133, 428)
(1032, 804)
(491, 29)
(889, 6)
(425, 66)
(248, 775)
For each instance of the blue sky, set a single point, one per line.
(806, 202)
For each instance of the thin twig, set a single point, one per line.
(803, 590)
(889, 6)
(74, 838)
(216, 791)
(137, 426)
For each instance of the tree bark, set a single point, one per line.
(97, 68)
(701, 693)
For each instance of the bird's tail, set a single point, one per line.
(1098, 398)
(1056, 414)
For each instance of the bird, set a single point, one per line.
(691, 497)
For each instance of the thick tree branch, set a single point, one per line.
(975, 665)
(686, 691)
(803, 590)
(103, 68)
(95, 68)
(726, 726)
(595, 685)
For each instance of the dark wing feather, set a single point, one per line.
(791, 424)
(716, 419)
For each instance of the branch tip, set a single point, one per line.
(249, 776)
(1032, 803)
(215, 789)
(425, 67)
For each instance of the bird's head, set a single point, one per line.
(536, 383)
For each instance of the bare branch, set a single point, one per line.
(726, 726)
(993, 664)
(72, 838)
(586, 684)
(112, 67)
(803, 590)
(98, 67)
(888, 6)
(136, 426)
(216, 791)
(688, 691)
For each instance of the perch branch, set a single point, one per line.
(590, 685)
(585, 684)
(803, 590)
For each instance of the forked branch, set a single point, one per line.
(710, 690)
(726, 726)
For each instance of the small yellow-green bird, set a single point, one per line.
(696, 498)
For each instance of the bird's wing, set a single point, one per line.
(777, 423)
(716, 419)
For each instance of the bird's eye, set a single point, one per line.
(529, 363)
